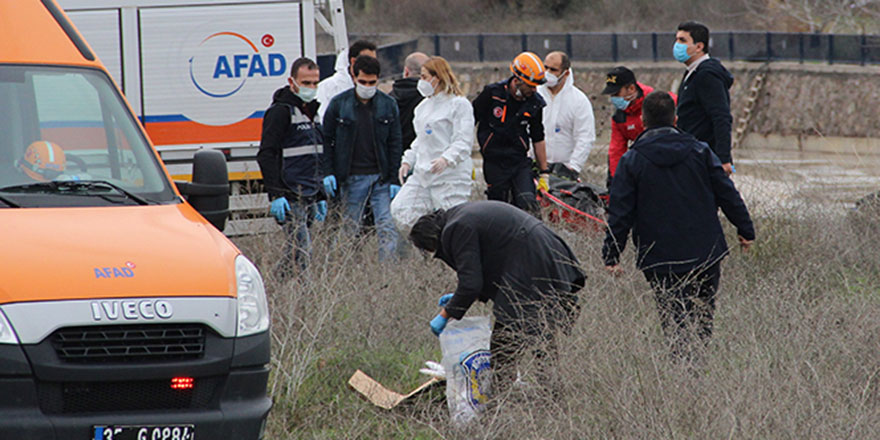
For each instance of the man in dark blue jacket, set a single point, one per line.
(703, 96)
(290, 161)
(667, 189)
(362, 151)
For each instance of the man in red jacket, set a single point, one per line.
(626, 124)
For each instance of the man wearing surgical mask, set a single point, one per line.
(703, 108)
(569, 127)
(627, 96)
(362, 151)
(290, 153)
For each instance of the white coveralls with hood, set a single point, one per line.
(444, 127)
(569, 126)
(334, 85)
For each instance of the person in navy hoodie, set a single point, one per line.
(667, 190)
(703, 96)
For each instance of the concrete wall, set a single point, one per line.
(806, 107)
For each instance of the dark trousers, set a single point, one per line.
(686, 304)
(511, 182)
(530, 331)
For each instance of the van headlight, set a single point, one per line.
(7, 335)
(253, 309)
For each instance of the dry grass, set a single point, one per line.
(795, 352)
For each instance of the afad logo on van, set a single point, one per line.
(224, 61)
(125, 271)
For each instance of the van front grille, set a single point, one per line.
(129, 343)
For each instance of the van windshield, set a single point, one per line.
(67, 139)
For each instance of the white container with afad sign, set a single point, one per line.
(465, 347)
(201, 73)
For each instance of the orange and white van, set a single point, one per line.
(124, 313)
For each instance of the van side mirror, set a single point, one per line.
(209, 191)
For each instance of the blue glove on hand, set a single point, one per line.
(444, 300)
(438, 324)
(330, 185)
(279, 209)
(321, 210)
(394, 190)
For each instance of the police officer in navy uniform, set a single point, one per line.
(290, 153)
(509, 115)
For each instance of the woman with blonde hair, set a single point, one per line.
(440, 155)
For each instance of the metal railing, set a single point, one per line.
(657, 46)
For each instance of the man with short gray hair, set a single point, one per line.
(569, 126)
(407, 96)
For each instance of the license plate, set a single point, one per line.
(151, 432)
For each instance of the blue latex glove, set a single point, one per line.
(330, 185)
(438, 324)
(321, 211)
(394, 190)
(279, 209)
(444, 300)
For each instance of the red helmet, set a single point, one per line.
(528, 68)
(43, 160)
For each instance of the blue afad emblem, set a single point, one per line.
(478, 370)
(114, 272)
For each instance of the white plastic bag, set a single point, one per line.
(465, 346)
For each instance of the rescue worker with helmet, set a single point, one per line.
(509, 115)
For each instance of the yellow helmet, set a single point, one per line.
(528, 68)
(42, 161)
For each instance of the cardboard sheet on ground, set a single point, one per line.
(380, 396)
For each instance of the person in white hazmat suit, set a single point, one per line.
(569, 126)
(440, 155)
(342, 79)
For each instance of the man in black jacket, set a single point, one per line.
(703, 96)
(290, 161)
(668, 188)
(506, 255)
(407, 96)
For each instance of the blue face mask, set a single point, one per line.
(619, 102)
(680, 52)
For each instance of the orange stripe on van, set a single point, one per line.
(188, 132)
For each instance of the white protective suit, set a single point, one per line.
(334, 85)
(569, 126)
(444, 126)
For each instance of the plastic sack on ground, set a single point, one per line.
(465, 346)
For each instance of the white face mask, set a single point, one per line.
(365, 92)
(425, 88)
(305, 93)
(551, 79)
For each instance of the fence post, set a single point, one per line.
(614, 46)
(730, 45)
(864, 51)
(480, 47)
(830, 49)
(568, 47)
(437, 45)
(654, 46)
(525, 42)
(769, 48)
(801, 50)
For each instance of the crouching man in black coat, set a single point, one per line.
(504, 254)
(667, 189)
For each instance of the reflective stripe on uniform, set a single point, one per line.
(303, 150)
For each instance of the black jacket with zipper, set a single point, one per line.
(505, 125)
(667, 190)
(704, 107)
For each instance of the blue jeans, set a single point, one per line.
(298, 245)
(355, 191)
